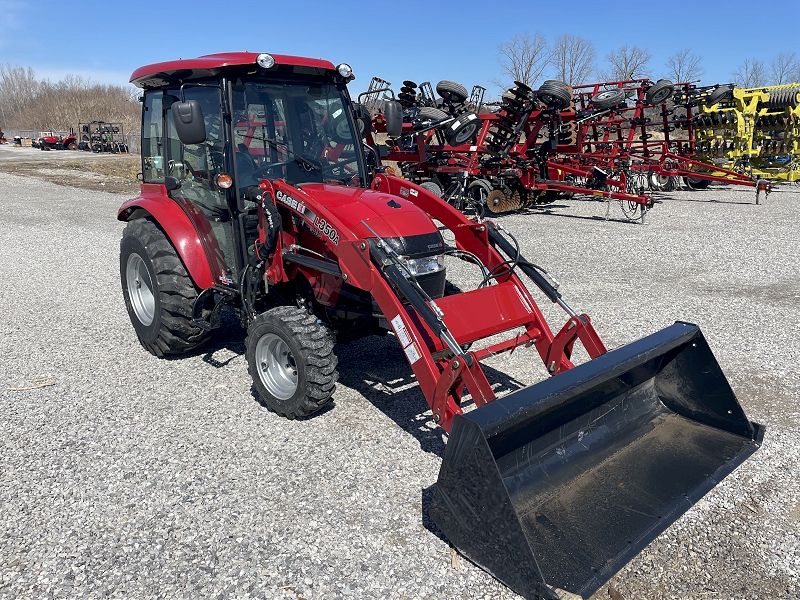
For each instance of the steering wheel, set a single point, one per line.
(342, 164)
(266, 168)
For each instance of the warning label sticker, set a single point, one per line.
(401, 332)
(412, 353)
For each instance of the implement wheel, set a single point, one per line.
(463, 129)
(158, 292)
(451, 91)
(608, 99)
(555, 93)
(290, 358)
(659, 91)
(696, 183)
(718, 95)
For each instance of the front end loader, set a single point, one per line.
(259, 195)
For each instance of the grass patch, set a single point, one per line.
(124, 166)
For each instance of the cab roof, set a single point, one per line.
(212, 64)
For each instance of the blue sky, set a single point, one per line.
(411, 39)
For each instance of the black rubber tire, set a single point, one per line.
(718, 95)
(659, 183)
(340, 128)
(694, 183)
(432, 187)
(170, 331)
(363, 120)
(431, 114)
(608, 99)
(555, 93)
(310, 344)
(72, 146)
(463, 129)
(660, 91)
(451, 91)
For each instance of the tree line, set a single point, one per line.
(570, 58)
(29, 103)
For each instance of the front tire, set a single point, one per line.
(290, 358)
(158, 291)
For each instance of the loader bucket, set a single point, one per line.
(560, 484)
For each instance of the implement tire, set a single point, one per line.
(451, 91)
(608, 98)
(158, 292)
(555, 93)
(463, 129)
(290, 358)
(660, 91)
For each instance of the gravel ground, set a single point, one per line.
(134, 477)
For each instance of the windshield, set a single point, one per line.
(297, 130)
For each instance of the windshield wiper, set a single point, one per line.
(285, 146)
(301, 159)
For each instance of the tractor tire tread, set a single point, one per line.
(176, 292)
(316, 346)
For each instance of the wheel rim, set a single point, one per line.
(140, 289)
(466, 133)
(276, 366)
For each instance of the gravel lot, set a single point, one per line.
(134, 477)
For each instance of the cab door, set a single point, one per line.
(196, 167)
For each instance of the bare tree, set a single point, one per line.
(18, 88)
(784, 68)
(573, 58)
(683, 66)
(629, 62)
(523, 59)
(62, 105)
(751, 73)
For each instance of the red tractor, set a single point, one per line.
(258, 194)
(52, 141)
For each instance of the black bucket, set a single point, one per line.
(560, 484)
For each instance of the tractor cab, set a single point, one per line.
(215, 126)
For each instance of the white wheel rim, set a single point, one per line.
(276, 366)
(140, 289)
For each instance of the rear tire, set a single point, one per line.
(158, 292)
(290, 358)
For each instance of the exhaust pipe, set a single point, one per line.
(560, 484)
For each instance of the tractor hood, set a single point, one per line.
(390, 217)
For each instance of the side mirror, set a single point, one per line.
(393, 113)
(189, 124)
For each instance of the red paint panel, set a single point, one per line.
(214, 62)
(179, 229)
(502, 307)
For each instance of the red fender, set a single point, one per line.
(155, 202)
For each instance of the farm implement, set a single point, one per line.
(626, 128)
(503, 160)
(256, 195)
(754, 131)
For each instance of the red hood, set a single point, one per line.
(387, 215)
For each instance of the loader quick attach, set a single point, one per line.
(259, 195)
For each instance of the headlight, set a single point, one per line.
(345, 70)
(265, 60)
(422, 266)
